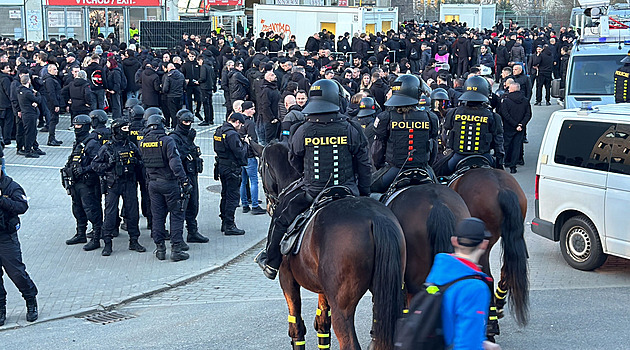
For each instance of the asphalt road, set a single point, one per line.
(237, 308)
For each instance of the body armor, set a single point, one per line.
(151, 148)
(126, 161)
(221, 148)
(136, 133)
(408, 142)
(471, 130)
(327, 158)
(622, 77)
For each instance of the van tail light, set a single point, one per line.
(536, 185)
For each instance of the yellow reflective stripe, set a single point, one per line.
(318, 312)
(323, 335)
(299, 342)
(291, 319)
(433, 289)
(501, 290)
(493, 318)
(496, 294)
(323, 346)
(405, 311)
(329, 313)
(493, 308)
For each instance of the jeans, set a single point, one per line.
(99, 97)
(250, 171)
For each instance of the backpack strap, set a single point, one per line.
(433, 288)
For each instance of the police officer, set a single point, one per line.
(118, 161)
(129, 104)
(86, 200)
(440, 103)
(405, 134)
(190, 155)
(622, 79)
(366, 116)
(472, 127)
(167, 184)
(14, 203)
(29, 110)
(136, 134)
(329, 150)
(231, 156)
(99, 121)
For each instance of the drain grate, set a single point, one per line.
(107, 317)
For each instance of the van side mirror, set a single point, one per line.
(556, 91)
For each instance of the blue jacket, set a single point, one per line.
(465, 304)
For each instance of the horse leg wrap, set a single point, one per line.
(298, 344)
(493, 324)
(500, 295)
(323, 340)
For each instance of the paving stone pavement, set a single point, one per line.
(71, 280)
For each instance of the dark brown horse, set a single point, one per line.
(350, 246)
(495, 197)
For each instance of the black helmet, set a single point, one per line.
(184, 115)
(117, 132)
(626, 59)
(477, 89)
(131, 102)
(151, 111)
(99, 117)
(156, 120)
(82, 119)
(323, 97)
(439, 94)
(136, 112)
(405, 91)
(367, 106)
(424, 100)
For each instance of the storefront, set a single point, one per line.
(85, 19)
(13, 18)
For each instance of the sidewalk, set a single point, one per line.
(72, 281)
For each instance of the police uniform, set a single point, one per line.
(622, 78)
(231, 156)
(136, 134)
(118, 161)
(13, 202)
(365, 117)
(165, 173)
(329, 150)
(84, 188)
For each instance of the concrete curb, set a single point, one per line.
(120, 302)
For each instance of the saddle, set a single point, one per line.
(292, 240)
(406, 178)
(474, 161)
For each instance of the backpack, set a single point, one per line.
(413, 54)
(123, 81)
(421, 328)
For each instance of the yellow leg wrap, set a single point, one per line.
(292, 319)
(405, 311)
(493, 318)
(499, 296)
(327, 346)
(323, 335)
(499, 290)
(299, 342)
(318, 312)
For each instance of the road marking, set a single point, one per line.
(32, 166)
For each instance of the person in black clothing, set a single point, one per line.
(150, 85)
(207, 86)
(249, 175)
(366, 116)
(543, 64)
(101, 131)
(6, 111)
(321, 165)
(516, 113)
(130, 65)
(29, 112)
(191, 71)
(231, 155)
(312, 43)
(14, 202)
(118, 162)
(225, 85)
(15, 106)
(97, 80)
(86, 199)
(78, 95)
(114, 87)
(378, 89)
(239, 85)
(55, 103)
(268, 98)
(167, 183)
(190, 155)
(173, 88)
(136, 134)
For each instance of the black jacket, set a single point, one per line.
(191, 71)
(239, 85)
(12, 203)
(268, 101)
(114, 80)
(544, 61)
(514, 110)
(207, 79)
(173, 85)
(5, 91)
(96, 76)
(26, 98)
(53, 93)
(79, 93)
(150, 83)
(378, 90)
(130, 66)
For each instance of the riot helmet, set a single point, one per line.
(136, 112)
(626, 59)
(151, 111)
(367, 107)
(185, 115)
(439, 100)
(131, 102)
(99, 118)
(323, 97)
(120, 130)
(424, 100)
(476, 89)
(81, 125)
(406, 90)
(155, 121)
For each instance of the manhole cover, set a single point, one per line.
(214, 188)
(107, 317)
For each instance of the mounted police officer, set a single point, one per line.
(168, 184)
(405, 134)
(231, 156)
(473, 128)
(118, 162)
(622, 79)
(366, 116)
(329, 150)
(83, 184)
(190, 155)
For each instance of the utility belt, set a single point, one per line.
(125, 167)
(227, 162)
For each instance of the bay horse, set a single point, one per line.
(495, 197)
(350, 246)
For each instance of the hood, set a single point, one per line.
(270, 84)
(79, 82)
(447, 268)
(148, 72)
(516, 97)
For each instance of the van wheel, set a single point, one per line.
(580, 244)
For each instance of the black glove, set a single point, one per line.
(78, 171)
(187, 187)
(216, 171)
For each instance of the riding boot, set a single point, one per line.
(135, 245)
(78, 238)
(3, 314)
(160, 251)
(107, 250)
(95, 242)
(261, 259)
(31, 309)
(177, 254)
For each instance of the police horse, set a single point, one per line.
(348, 247)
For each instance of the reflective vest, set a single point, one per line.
(327, 157)
(622, 76)
(471, 130)
(132, 32)
(151, 149)
(408, 141)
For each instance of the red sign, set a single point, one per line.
(144, 3)
(342, 2)
(224, 3)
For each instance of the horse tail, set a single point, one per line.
(514, 270)
(387, 280)
(440, 227)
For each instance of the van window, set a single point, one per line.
(594, 75)
(620, 158)
(585, 144)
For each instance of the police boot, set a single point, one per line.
(160, 251)
(3, 314)
(134, 245)
(78, 238)
(107, 250)
(95, 242)
(177, 254)
(31, 310)
(196, 237)
(232, 230)
(90, 233)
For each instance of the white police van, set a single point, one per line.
(583, 184)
